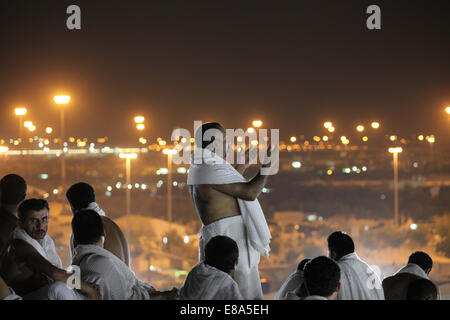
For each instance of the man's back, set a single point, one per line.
(396, 287)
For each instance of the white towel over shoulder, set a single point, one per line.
(45, 247)
(205, 282)
(215, 170)
(414, 269)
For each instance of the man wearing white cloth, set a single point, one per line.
(227, 205)
(358, 280)
(81, 196)
(293, 282)
(212, 279)
(97, 265)
(33, 268)
(419, 267)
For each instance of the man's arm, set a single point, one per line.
(28, 255)
(248, 191)
(4, 289)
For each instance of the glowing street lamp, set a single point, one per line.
(395, 151)
(139, 119)
(27, 124)
(128, 157)
(293, 139)
(375, 125)
(140, 126)
(48, 130)
(257, 123)
(331, 129)
(360, 128)
(327, 124)
(20, 111)
(62, 100)
(447, 110)
(32, 128)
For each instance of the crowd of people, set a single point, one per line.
(233, 237)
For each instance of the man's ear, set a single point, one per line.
(338, 288)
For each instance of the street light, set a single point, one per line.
(62, 100)
(360, 128)
(20, 112)
(128, 157)
(139, 119)
(375, 125)
(447, 110)
(257, 123)
(327, 124)
(48, 130)
(169, 153)
(395, 151)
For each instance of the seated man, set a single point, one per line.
(292, 283)
(32, 267)
(358, 280)
(418, 267)
(422, 289)
(212, 279)
(321, 280)
(114, 278)
(13, 190)
(82, 196)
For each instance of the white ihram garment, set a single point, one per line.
(292, 283)
(358, 280)
(205, 282)
(112, 275)
(414, 269)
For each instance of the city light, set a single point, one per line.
(139, 119)
(331, 129)
(413, 226)
(32, 128)
(61, 99)
(20, 111)
(447, 110)
(327, 125)
(140, 126)
(325, 138)
(169, 151)
(27, 124)
(257, 123)
(421, 137)
(48, 130)
(296, 164)
(4, 149)
(393, 138)
(293, 139)
(360, 128)
(365, 138)
(395, 150)
(251, 130)
(375, 125)
(142, 140)
(431, 139)
(128, 155)
(186, 239)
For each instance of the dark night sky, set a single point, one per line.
(293, 64)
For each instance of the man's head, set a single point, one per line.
(302, 264)
(87, 227)
(80, 195)
(33, 217)
(339, 245)
(422, 289)
(13, 189)
(423, 260)
(211, 135)
(222, 252)
(322, 277)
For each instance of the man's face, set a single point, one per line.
(36, 223)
